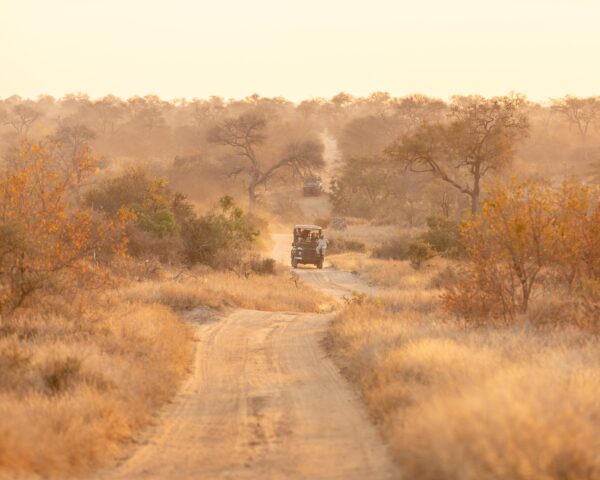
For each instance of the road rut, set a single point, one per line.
(263, 401)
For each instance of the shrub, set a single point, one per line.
(263, 266)
(222, 238)
(526, 233)
(445, 278)
(396, 249)
(61, 374)
(158, 214)
(443, 236)
(418, 253)
(48, 242)
(323, 221)
(340, 245)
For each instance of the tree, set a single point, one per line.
(529, 234)
(21, 117)
(245, 133)
(109, 110)
(415, 110)
(72, 151)
(46, 242)
(480, 137)
(580, 112)
(366, 187)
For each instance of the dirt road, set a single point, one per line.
(264, 402)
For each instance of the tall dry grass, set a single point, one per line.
(73, 389)
(78, 382)
(476, 403)
(221, 290)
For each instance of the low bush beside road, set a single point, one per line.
(462, 403)
(486, 366)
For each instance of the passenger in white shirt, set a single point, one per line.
(322, 244)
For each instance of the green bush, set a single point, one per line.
(167, 228)
(221, 238)
(418, 253)
(443, 236)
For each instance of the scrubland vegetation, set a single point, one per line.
(485, 363)
(221, 290)
(515, 402)
(95, 277)
(477, 218)
(78, 382)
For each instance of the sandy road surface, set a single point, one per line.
(264, 402)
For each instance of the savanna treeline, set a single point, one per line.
(246, 147)
(94, 274)
(115, 214)
(96, 259)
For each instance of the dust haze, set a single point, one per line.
(353, 285)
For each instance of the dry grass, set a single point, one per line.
(76, 385)
(370, 235)
(389, 274)
(72, 389)
(457, 403)
(225, 289)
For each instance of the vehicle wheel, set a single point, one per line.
(294, 264)
(320, 264)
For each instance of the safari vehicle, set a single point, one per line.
(313, 186)
(304, 246)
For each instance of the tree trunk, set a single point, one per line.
(475, 193)
(251, 197)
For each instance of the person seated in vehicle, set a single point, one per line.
(322, 244)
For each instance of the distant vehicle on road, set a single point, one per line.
(304, 246)
(313, 187)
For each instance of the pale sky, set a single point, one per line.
(299, 49)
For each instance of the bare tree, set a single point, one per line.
(72, 151)
(480, 138)
(21, 117)
(580, 112)
(109, 111)
(246, 132)
(415, 110)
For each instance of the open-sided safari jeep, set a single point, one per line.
(313, 187)
(304, 246)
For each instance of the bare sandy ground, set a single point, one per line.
(264, 401)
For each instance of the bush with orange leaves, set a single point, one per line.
(48, 242)
(530, 239)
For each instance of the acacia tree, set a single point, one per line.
(415, 110)
(245, 133)
(21, 117)
(480, 137)
(580, 112)
(72, 152)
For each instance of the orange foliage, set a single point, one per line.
(44, 234)
(528, 235)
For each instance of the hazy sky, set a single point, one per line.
(299, 48)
